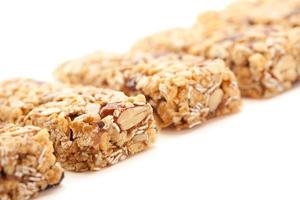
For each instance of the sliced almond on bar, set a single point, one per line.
(133, 116)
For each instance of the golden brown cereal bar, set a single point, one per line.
(86, 71)
(250, 12)
(90, 128)
(19, 96)
(265, 59)
(27, 162)
(184, 90)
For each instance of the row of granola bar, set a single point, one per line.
(176, 78)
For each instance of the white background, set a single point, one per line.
(251, 155)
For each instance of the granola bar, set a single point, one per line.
(244, 13)
(27, 162)
(87, 70)
(19, 96)
(265, 59)
(90, 128)
(250, 12)
(184, 90)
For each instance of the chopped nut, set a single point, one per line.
(109, 109)
(215, 99)
(138, 100)
(140, 138)
(104, 141)
(108, 121)
(50, 111)
(133, 116)
(93, 109)
(136, 147)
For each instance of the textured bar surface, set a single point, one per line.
(265, 59)
(251, 12)
(27, 162)
(90, 128)
(184, 90)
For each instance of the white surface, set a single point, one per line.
(250, 155)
